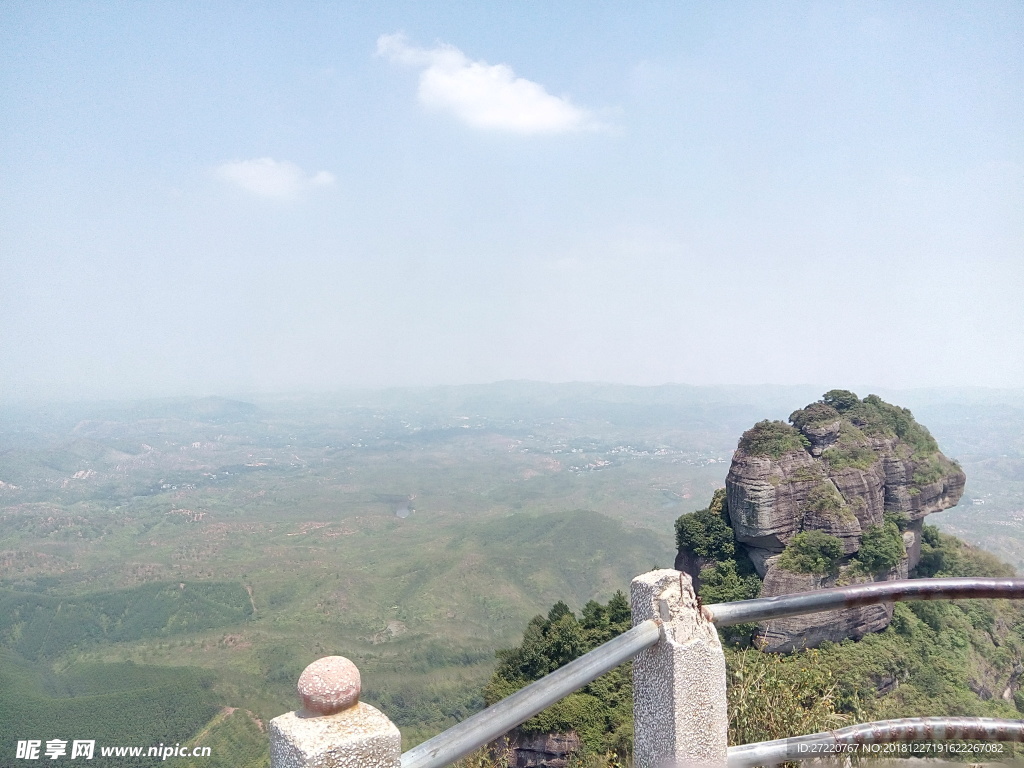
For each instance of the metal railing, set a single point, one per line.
(486, 726)
(495, 721)
(743, 611)
(855, 739)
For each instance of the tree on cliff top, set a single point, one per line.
(872, 415)
(815, 413)
(840, 399)
(772, 438)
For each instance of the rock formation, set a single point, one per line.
(517, 749)
(835, 497)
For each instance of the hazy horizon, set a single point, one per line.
(781, 396)
(228, 199)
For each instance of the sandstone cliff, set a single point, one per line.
(517, 749)
(837, 496)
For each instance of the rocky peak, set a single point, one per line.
(837, 495)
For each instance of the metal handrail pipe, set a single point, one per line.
(495, 721)
(850, 741)
(743, 611)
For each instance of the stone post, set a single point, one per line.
(679, 705)
(333, 729)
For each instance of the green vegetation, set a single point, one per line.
(881, 548)
(876, 415)
(937, 657)
(720, 504)
(871, 416)
(235, 739)
(900, 519)
(43, 626)
(841, 400)
(945, 555)
(807, 474)
(771, 695)
(602, 712)
(707, 532)
(115, 704)
(825, 499)
(730, 574)
(726, 582)
(811, 552)
(851, 449)
(813, 414)
(772, 438)
(855, 456)
(932, 469)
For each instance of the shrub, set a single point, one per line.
(811, 552)
(601, 712)
(876, 416)
(872, 415)
(772, 438)
(727, 582)
(900, 519)
(807, 474)
(945, 555)
(774, 697)
(720, 504)
(723, 583)
(705, 534)
(930, 471)
(841, 400)
(881, 547)
(825, 500)
(815, 413)
(947, 657)
(855, 456)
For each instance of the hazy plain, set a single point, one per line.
(415, 531)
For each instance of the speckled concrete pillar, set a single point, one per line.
(679, 705)
(333, 729)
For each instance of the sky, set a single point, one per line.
(213, 197)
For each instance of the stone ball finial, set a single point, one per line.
(329, 685)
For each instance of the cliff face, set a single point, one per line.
(517, 749)
(835, 497)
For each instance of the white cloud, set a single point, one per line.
(274, 179)
(482, 95)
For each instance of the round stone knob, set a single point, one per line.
(329, 685)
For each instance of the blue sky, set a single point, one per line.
(228, 197)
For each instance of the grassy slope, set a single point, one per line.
(236, 739)
(114, 704)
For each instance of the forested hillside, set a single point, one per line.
(935, 658)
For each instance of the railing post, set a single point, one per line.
(679, 706)
(333, 729)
